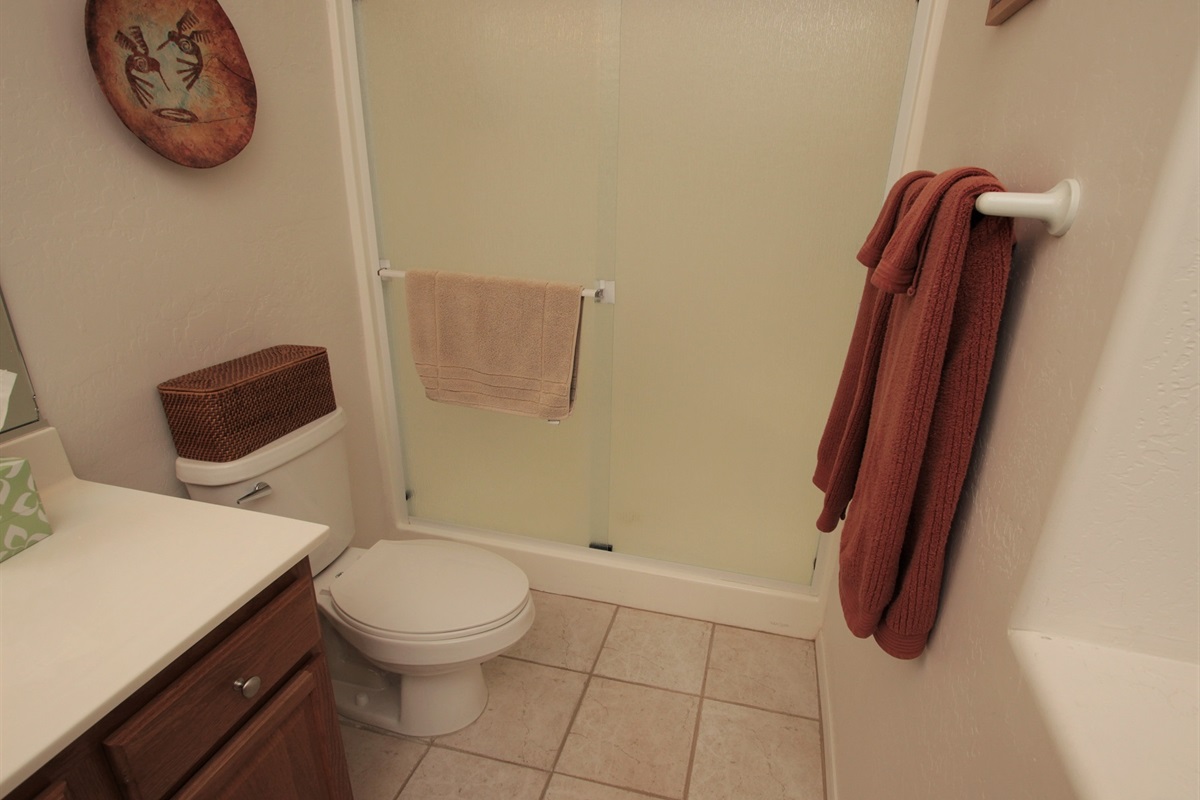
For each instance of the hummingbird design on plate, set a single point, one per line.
(188, 41)
(139, 63)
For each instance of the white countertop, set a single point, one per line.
(128, 582)
(1125, 722)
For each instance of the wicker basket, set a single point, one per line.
(223, 412)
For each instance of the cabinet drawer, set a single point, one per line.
(164, 742)
(290, 749)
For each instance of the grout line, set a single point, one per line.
(574, 715)
(527, 660)
(416, 766)
(579, 703)
(764, 709)
(497, 759)
(623, 789)
(603, 642)
(628, 682)
(687, 781)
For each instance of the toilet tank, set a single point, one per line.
(304, 475)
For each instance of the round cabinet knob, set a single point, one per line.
(248, 686)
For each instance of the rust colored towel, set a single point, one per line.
(841, 447)
(952, 266)
(503, 344)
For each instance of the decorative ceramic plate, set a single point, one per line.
(176, 74)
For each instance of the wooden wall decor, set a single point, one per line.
(176, 74)
(1000, 10)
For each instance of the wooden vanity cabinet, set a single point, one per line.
(245, 713)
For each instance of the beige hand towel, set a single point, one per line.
(503, 344)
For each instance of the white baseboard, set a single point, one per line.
(726, 598)
(828, 739)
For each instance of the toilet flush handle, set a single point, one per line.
(260, 489)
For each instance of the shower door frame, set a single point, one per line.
(713, 595)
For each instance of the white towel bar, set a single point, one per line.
(1057, 207)
(605, 291)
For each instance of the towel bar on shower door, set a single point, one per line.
(605, 291)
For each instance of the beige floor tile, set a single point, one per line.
(777, 673)
(529, 709)
(745, 752)
(379, 764)
(445, 774)
(631, 736)
(563, 787)
(656, 649)
(567, 632)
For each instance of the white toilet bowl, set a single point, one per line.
(425, 614)
(407, 623)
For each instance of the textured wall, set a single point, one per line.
(1135, 474)
(122, 269)
(1065, 88)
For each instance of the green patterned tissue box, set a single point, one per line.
(23, 521)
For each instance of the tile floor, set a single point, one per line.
(600, 702)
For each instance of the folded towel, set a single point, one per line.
(503, 344)
(899, 263)
(948, 267)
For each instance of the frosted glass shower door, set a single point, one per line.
(492, 138)
(754, 146)
(722, 162)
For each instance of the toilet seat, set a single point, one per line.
(428, 590)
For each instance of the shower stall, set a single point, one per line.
(720, 163)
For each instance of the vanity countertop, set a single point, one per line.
(128, 581)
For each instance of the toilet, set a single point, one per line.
(407, 624)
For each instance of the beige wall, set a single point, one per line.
(1064, 89)
(721, 162)
(122, 269)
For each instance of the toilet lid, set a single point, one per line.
(428, 587)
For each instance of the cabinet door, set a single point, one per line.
(168, 739)
(291, 749)
(58, 791)
(79, 773)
